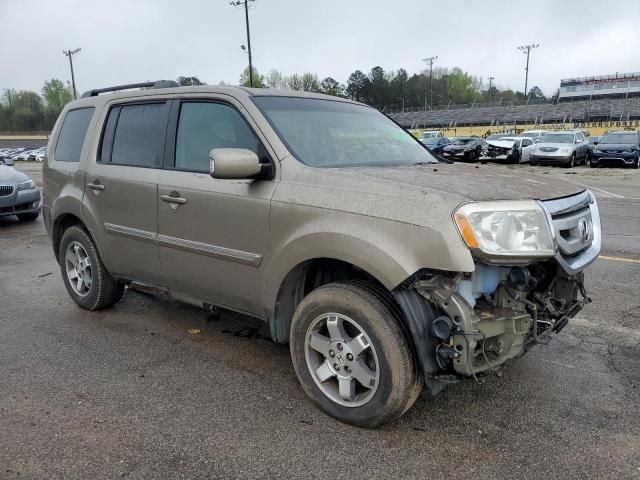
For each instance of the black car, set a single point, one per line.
(593, 141)
(465, 149)
(617, 148)
(435, 144)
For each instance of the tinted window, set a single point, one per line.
(74, 128)
(203, 126)
(628, 138)
(138, 137)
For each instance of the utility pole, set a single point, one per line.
(70, 54)
(430, 61)
(236, 3)
(491, 79)
(526, 49)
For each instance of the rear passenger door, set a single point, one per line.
(526, 145)
(213, 234)
(120, 201)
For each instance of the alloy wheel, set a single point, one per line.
(342, 360)
(78, 267)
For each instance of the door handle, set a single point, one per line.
(172, 199)
(95, 186)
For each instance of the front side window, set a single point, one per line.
(71, 138)
(329, 133)
(138, 135)
(203, 126)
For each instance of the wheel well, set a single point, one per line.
(59, 226)
(304, 278)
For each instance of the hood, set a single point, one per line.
(468, 181)
(555, 145)
(615, 147)
(455, 148)
(508, 144)
(11, 176)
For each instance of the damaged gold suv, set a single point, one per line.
(385, 270)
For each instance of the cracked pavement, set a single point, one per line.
(131, 393)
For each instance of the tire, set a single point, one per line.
(102, 291)
(355, 310)
(28, 217)
(636, 164)
(572, 161)
(592, 165)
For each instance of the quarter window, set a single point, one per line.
(71, 138)
(138, 137)
(203, 126)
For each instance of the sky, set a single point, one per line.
(128, 41)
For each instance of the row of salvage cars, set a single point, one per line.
(9, 156)
(566, 148)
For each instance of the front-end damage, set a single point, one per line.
(467, 324)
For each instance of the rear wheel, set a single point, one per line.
(636, 164)
(351, 355)
(28, 217)
(85, 276)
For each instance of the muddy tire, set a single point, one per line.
(84, 275)
(352, 356)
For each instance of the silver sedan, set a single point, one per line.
(19, 195)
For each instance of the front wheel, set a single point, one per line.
(636, 164)
(85, 276)
(572, 161)
(351, 355)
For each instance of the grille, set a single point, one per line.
(576, 223)
(548, 149)
(5, 190)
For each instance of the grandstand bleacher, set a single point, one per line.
(532, 113)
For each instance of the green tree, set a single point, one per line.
(56, 95)
(275, 79)
(310, 82)
(330, 86)
(294, 82)
(358, 86)
(189, 81)
(258, 80)
(536, 94)
(379, 89)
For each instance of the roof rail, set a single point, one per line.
(157, 84)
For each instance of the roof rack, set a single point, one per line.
(157, 84)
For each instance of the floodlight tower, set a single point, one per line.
(526, 49)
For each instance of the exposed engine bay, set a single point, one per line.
(476, 322)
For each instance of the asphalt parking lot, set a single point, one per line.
(156, 389)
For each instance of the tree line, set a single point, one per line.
(395, 90)
(27, 111)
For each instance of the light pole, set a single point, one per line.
(491, 79)
(236, 3)
(70, 54)
(526, 49)
(430, 61)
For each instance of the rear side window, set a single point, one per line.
(71, 138)
(134, 135)
(203, 126)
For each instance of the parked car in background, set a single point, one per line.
(496, 136)
(617, 148)
(436, 144)
(534, 135)
(37, 155)
(431, 134)
(466, 149)
(5, 158)
(563, 147)
(509, 150)
(19, 195)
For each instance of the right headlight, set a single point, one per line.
(505, 229)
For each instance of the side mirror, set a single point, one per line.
(233, 163)
(595, 143)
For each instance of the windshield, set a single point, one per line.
(495, 136)
(558, 138)
(327, 133)
(530, 134)
(430, 141)
(620, 138)
(462, 141)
